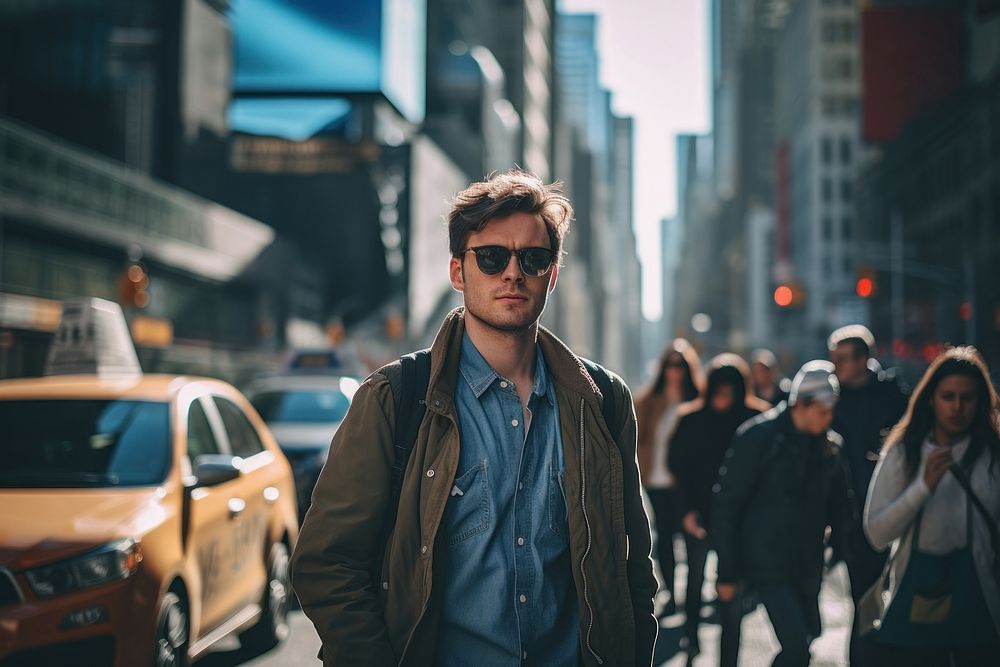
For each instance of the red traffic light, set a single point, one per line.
(783, 296)
(865, 287)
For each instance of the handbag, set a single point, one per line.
(873, 605)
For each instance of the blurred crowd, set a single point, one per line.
(783, 479)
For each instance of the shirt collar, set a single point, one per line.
(480, 375)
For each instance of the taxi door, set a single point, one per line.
(212, 516)
(257, 494)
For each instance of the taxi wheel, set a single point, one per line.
(272, 628)
(171, 633)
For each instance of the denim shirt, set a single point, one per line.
(509, 596)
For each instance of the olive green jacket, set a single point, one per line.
(395, 620)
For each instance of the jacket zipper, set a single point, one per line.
(583, 560)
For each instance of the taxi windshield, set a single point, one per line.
(303, 406)
(83, 443)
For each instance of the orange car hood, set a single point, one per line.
(42, 525)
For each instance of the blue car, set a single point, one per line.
(303, 413)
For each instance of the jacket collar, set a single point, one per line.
(565, 370)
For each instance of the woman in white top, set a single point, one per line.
(944, 598)
(678, 379)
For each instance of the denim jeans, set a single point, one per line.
(794, 614)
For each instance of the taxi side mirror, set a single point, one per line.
(215, 469)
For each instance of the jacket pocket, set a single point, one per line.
(468, 511)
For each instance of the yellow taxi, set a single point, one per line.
(144, 517)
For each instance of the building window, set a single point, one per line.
(845, 68)
(829, 30)
(846, 230)
(845, 150)
(826, 150)
(846, 191)
(830, 106)
(827, 191)
(827, 229)
(847, 32)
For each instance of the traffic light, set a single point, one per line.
(865, 288)
(789, 295)
(133, 287)
(783, 295)
(866, 285)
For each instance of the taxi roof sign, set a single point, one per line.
(92, 338)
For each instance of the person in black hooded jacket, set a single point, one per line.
(870, 404)
(781, 485)
(703, 435)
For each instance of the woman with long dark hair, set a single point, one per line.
(704, 433)
(678, 377)
(935, 496)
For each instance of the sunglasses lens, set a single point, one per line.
(535, 261)
(492, 259)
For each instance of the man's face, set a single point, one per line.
(761, 375)
(508, 301)
(851, 367)
(814, 418)
(723, 398)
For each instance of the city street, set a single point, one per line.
(757, 649)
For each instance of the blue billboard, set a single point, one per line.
(335, 47)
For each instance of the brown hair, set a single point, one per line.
(693, 376)
(918, 420)
(502, 195)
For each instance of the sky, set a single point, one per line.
(654, 59)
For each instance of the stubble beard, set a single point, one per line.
(512, 326)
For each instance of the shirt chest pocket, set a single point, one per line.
(468, 511)
(556, 502)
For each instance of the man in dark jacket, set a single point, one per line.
(704, 433)
(782, 484)
(520, 536)
(870, 404)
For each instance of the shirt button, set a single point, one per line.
(385, 585)
(430, 473)
(514, 422)
(524, 655)
(503, 385)
(523, 598)
(520, 541)
(423, 549)
(520, 485)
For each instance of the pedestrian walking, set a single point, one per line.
(871, 402)
(783, 483)
(519, 536)
(769, 384)
(677, 379)
(935, 496)
(704, 432)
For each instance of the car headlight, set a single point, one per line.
(112, 562)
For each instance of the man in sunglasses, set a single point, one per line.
(520, 536)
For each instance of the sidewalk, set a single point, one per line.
(758, 645)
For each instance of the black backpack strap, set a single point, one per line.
(409, 399)
(603, 381)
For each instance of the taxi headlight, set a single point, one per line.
(112, 562)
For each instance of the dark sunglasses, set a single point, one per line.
(493, 259)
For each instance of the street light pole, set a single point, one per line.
(896, 253)
(970, 299)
